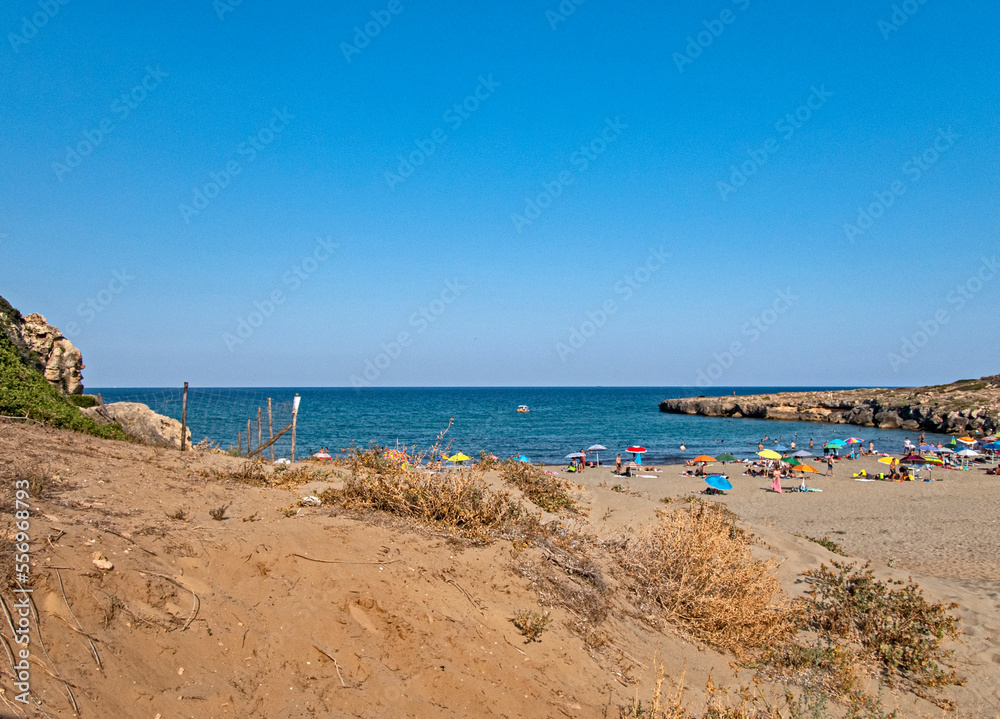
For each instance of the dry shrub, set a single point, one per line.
(29, 475)
(459, 500)
(531, 624)
(698, 568)
(546, 491)
(253, 472)
(896, 628)
(669, 703)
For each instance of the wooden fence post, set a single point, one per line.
(239, 444)
(260, 436)
(270, 428)
(248, 437)
(295, 418)
(184, 416)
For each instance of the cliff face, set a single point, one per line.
(43, 346)
(960, 407)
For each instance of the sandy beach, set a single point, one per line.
(289, 611)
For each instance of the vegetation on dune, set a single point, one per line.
(24, 392)
(697, 568)
(459, 500)
(545, 490)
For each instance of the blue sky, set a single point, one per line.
(656, 259)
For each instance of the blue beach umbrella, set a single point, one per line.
(718, 481)
(780, 448)
(522, 458)
(928, 448)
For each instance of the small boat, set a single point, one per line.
(523, 408)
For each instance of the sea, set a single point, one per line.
(561, 420)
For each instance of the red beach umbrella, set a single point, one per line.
(635, 449)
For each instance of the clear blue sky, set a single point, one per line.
(329, 122)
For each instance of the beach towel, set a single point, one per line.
(651, 476)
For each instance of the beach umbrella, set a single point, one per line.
(805, 468)
(944, 450)
(836, 443)
(396, 455)
(854, 440)
(913, 459)
(886, 460)
(968, 453)
(636, 450)
(459, 457)
(780, 448)
(703, 458)
(803, 453)
(933, 460)
(928, 448)
(718, 481)
(966, 440)
(726, 457)
(575, 455)
(522, 458)
(595, 448)
(769, 454)
(792, 462)
(993, 445)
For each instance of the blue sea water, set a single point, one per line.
(562, 420)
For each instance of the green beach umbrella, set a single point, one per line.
(792, 461)
(726, 457)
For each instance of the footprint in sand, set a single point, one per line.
(362, 618)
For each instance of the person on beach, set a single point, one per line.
(829, 466)
(871, 448)
(776, 484)
(618, 464)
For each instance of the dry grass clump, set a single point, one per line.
(669, 704)
(896, 629)
(531, 624)
(697, 568)
(31, 476)
(747, 703)
(459, 500)
(253, 472)
(546, 491)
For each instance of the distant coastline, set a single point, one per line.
(965, 406)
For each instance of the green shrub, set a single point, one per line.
(24, 392)
(894, 625)
(82, 400)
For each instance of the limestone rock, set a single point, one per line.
(141, 422)
(60, 361)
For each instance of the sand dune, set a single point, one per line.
(324, 613)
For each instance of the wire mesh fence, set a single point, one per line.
(219, 414)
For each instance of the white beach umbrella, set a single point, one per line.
(595, 448)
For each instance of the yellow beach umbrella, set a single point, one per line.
(887, 460)
(769, 454)
(458, 457)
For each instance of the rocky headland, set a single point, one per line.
(960, 407)
(44, 347)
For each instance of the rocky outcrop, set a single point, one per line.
(141, 422)
(43, 346)
(62, 362)
(961, 407)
